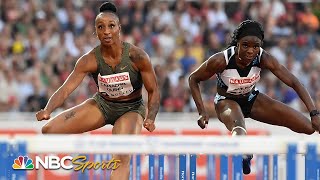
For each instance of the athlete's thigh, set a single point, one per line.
(129, 123)
(81, 118)
(268, 110)
(229, 111)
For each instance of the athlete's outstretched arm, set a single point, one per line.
(80, 70)
(214, 64)
(269, 62)
(142, 62)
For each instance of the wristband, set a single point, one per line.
(314, 113)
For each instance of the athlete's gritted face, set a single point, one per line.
(107, 28)
(248, 48)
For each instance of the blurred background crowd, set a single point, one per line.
(42, 39)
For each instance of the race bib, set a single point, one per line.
(242, 85)
(115, 85)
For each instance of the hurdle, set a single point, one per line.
(185, 148)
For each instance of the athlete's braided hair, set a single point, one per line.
(247, 28)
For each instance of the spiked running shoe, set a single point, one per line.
(246, 164)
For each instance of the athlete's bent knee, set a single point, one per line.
(309, 131)
(46, 129)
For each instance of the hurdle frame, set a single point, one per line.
(184, 146)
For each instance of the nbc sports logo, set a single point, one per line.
(67, 162)
(23, 162)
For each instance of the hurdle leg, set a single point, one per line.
(265, 167)
(138, 167)
(10, 158)
(131, 168)
(311, 162)
(224, 167)
(151, 167)
(161, 167)
(193, 167)
(182, 167)
(318, 169)
(211, 167)
(3, 160)
(275, 167)
(237, 167)
(291, 162)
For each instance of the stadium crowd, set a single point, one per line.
(42, 39)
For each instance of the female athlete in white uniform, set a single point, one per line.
(238, 70)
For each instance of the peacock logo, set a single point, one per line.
(23, 162)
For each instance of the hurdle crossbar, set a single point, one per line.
(133, 144)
